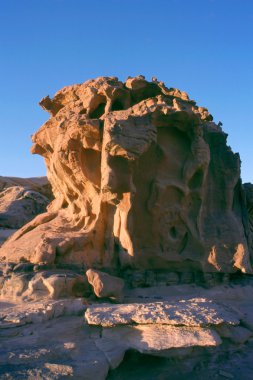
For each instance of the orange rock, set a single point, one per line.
(142, 178)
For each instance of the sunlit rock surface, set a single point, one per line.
(142, 178)
(192, 312)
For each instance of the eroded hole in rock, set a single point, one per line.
(98, 111)
(137, 366)
(149, 91)
(120, 182)
(173, 232)
(101, 129)
(196, 180)
(90, 164)
(117, 106)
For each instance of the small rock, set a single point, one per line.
(105, 286)
(226, 374)
(240, 334)
(59, 369)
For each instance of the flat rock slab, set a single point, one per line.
(37, 312)
(145, 338)
(156, 340)
(192, 312)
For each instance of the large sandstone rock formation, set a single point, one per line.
(142, 178)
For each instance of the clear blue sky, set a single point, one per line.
(204, 47)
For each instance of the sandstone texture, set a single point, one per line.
(192, 312)
(153, 339)
(142, 178)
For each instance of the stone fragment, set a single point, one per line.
(226, 374)
(192, 312)
(59, 369)
(104, 285)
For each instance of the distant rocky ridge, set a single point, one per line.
(142, 178)
(21, 199)
(39, 184)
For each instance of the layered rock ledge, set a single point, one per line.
(191, 312)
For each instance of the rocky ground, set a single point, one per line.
(173, 332)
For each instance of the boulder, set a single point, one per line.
(105, 285)
(142, 178)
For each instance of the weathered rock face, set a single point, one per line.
(142, 178)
